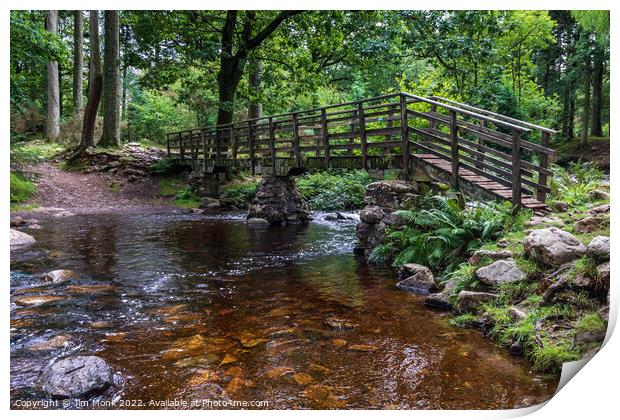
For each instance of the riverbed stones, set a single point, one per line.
(553, 246)
(469, 301)
(278, 201)
(439, 301)
(20, 239)
(492, 255)
(598, 248)
(589, 224)
(500, 272)
(210, 203)
(416, 278)
(36, 300)
(17, 221)
(55, 342)
(58, 276)
(76, 376)
(257, 221)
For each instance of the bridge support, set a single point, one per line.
(278, 201)
(207, 184)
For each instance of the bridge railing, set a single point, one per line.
(510, 152)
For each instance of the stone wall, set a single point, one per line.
(278, 202)
(382, 199)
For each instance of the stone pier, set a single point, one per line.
(278, 202)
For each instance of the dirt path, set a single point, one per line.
(93, 192)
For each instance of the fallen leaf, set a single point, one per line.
(318, 368)
(339, 342)
(234, 371)
(303, 378)
(202, 377)
(228, 358)
(362, 347)
(278, 372)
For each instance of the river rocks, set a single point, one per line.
(58, 341)
(209, 203)
(17, 221)
(599, 210)
(598, 248)
(64, 213)
(553, 246)
(337, 324)
(257, 221)
(493, 255)
(341, 216)
(472, 301)
(500, 272)
(76, 376)
(20, 239)
(589, 224)
(390, 195)
(417, 279)
(278, 201)
(36, 300)
(438, 301)
(58, 276)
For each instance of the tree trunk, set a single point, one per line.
(585, 116)
(111, 136)
(78, 61)
(597, 94)
(571, 113)
(52, 122)
(566, 111)
(94, 84)
(255, 110)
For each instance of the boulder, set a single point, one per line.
(371, 215)
(331, 217)
(589, 224)
(493, 255)
(598, 248)
(210, 203)
(390, 195)
(76, 376)
(599, 195)
(500, 272)
(438, 300)
(603, 274)
(58, 276)
(34, 226)
(516, 314)
(560, 206)
(17, 221)
(20, 239)
(599, 210)
(553, 246)
(472, 301)
(278, 201)
(64, 213)
(417, 279)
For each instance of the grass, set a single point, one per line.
(21, 189)
(240, 191)
(75, 166)
(549, 356)
(177, 188)
(169, 187)
(591, 322)
(34, 151)
(463, 320)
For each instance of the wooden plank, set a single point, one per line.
(516, 169)
(404, 133)
(454, 146)
(362, 128)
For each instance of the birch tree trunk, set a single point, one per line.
(52, 122)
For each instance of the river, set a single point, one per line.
(190, 307)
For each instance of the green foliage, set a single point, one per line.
(241, 192)
(574, 184)
(153, 114)
(549, 356)
(464, 320)
(334, 190)
(21, 189)
(440, 233)
(165, 166)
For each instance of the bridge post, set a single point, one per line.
(296, 149)
(218, 140)
(272, 145)
(454, 148)
(544, 162)
(233, 143)
(168, 143)
(404, 133)
(251, 145)
(481, 142)
(363, 140)
(181, 147)
(325, 135)
(516, 170)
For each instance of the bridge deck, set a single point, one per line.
(474, 150)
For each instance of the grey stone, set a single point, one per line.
(599, 210)
(76, 376)
(17, 221)
(20, 239)
(589, 224)
(603, 274)
(493, 255)
(500, 272)
(210, 203)
(371, 215)
(543, 220)
(560, 206)
(599, 195)
(64, 213)
(418, 279)
(516, 314)
(438, 300)
(472, 301)
(553, 246)
(278, 201)
(257, 221)
(598, 248)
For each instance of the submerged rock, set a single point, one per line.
(500, 272)
(553, 246)
(53, 343)
(257, 221)
(20, 239)
(438, 300)
(36, 300)
(76, 376)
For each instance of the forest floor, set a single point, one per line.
(92, 192)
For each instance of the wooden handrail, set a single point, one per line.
(368, 126)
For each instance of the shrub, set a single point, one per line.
(20, 188)
(334, 190)
(241, 192)
(440, 233)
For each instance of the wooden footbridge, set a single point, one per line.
(474, 150)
